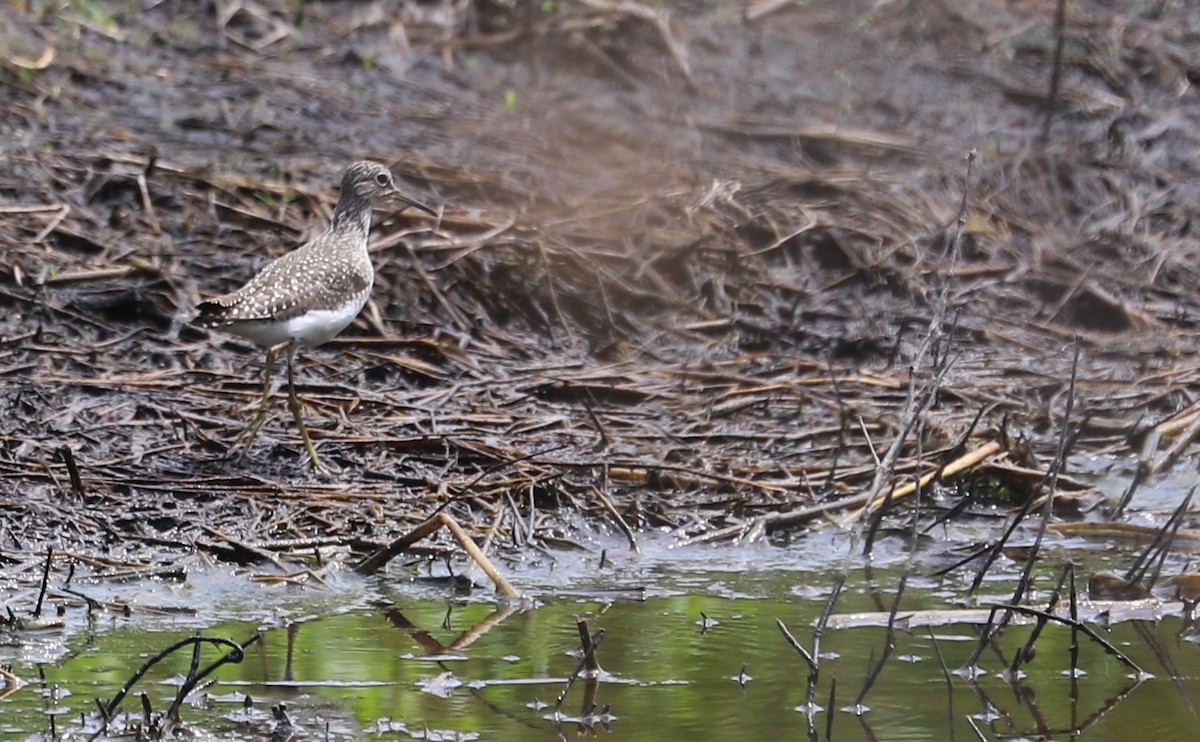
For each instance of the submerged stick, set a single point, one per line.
(917, 401)
(583, 662)
(380, 558)
(1150, 561)
(781, 521)
(1184, 428)
(236, 653)
(967, 461)
(37, 610)
(808, 658)
(1078, 626)
(889, 644)
(937, 650)
(1051, 482)
(9, 683)
(477, 554)
(195, 675)
(1027, 652)
(585, 641)
(612, 510)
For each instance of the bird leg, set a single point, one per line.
(251, 431)
(298, 413)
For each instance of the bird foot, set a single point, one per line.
(319, 463)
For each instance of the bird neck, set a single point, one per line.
(353, 213)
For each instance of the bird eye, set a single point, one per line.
(382, 179)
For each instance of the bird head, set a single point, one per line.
(371, 181)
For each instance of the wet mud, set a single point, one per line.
(698, 268)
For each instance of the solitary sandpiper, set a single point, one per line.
(309, 295)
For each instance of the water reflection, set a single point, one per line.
(675, 666)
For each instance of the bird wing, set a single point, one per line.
(287, 287)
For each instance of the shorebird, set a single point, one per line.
(309, 295)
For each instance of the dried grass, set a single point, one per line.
(653, 307)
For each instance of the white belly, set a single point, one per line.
(309, 329)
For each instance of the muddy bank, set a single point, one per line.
(686, 276)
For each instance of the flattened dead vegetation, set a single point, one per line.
(699, 270)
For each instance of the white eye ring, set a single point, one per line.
(383, 179)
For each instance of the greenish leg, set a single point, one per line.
(298, 413)
(251, 431)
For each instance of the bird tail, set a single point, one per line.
(210, 314)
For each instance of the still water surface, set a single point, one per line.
(354, 661)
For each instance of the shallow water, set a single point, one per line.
(387, 658)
